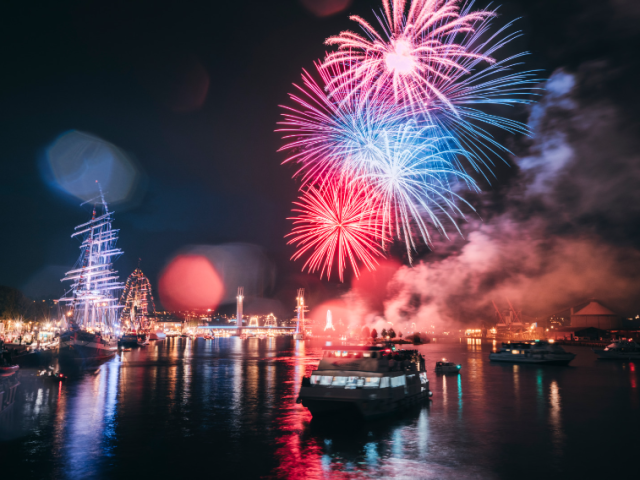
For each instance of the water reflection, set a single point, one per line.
(189, 401)
(555, 417)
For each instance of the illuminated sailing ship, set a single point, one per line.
(92, 307)
(139, 310)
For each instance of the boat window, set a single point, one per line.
(423, 377)
(325, 380)
(515, 352)
(366, 355)
(344, 353)
(360, 382)
(397, 381)
(315, 379)
(372, 382)
(384, 383)
(339, 381)
(352, 382)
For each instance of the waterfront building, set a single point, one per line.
(596, 315)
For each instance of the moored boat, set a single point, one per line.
(538, 352)
(157, 335)
(620, 350)
(447, 367)
(82, 345)
(93, 312)
(370, 381)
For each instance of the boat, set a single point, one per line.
(539, 352)
(370, 381)
(447, 367)
(621, 349)
(157, 335)
(50, 374)
(92, 308)
(8, 370)
(129, 340)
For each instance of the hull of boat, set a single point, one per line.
(129, 341)
(548, 359)
(8, 371)
(367, 404)
(608, 355)
(79, 350)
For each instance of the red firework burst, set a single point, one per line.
(337, 221)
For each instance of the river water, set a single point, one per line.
(226, 407)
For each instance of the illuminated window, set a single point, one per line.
(315, 379)
(515, 352)
(366, 355)
(339, 381)
(384, 383)
(372, 382)
(397, 381)
(325, 380)
(352, 382)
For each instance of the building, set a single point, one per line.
(595, 315)
(577, 333)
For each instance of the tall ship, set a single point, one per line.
(368, 381)
(91, 300)
(139, 311)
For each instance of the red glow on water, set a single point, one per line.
(190, 282)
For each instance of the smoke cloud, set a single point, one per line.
(565, 230)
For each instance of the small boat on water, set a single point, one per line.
(620, 350)
(50, 374)
(158, 335)
(8, 370)
(370, 381)
(447, 367)
(538, 352)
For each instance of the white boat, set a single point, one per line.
(537, 352)
(620, 350)
(367, 381)
(158, 335)
(447, 367)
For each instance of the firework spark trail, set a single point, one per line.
(328, 138)
(436, 61)
(410, 176)
(340, 218)
(393, 121)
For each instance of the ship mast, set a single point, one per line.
(92, 299)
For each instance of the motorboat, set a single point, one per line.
(157, 335)
(447, 367)
(538, 352)
(370, 381)
(621, 349)
(8, 370)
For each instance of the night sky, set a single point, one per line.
(190, 91)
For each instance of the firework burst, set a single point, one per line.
(336, 223)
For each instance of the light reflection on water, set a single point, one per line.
(228, 406)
